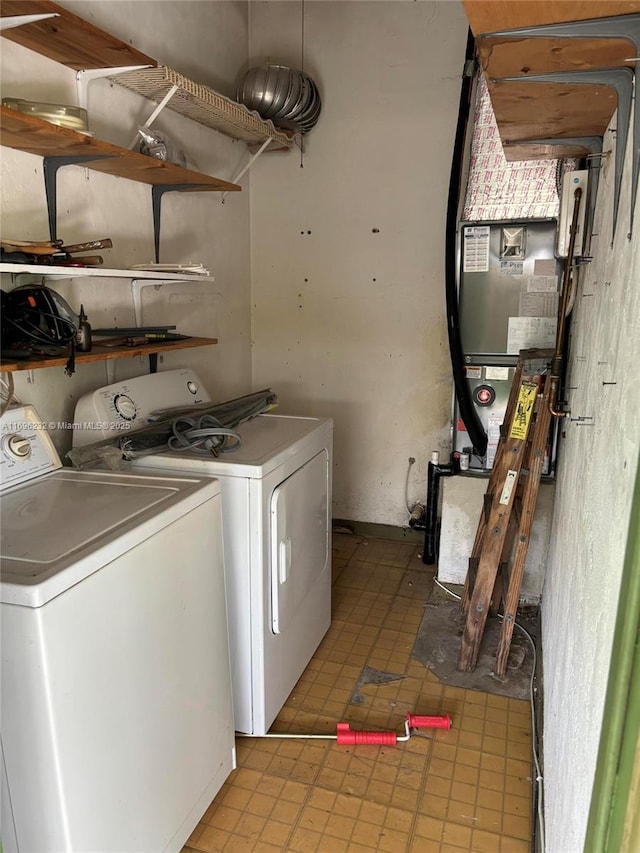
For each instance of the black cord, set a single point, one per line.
(468, 413)
(35, 333)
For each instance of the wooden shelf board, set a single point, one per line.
(76, 43)
(102, 353)
(501, 57)
(30, 134)
(547, 110)
(540, 110)
(543, 152)
(68, 39)
(487, 16)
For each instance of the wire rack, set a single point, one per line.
(203, 105)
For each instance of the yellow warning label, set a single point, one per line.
(524, 410)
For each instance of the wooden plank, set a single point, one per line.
(501, 584)
(521, 151)
(535, 462)
(35, 136)
(102, 353)
(507, 472)
(488, 497)
(531, 110)
(69, 39)
(509, 57)
(487, 16)
(528, 111)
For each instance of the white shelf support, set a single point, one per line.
(154, 115)
(249, 164)
(138, 283)
(11, 21)
(88, 75)
(136, 292)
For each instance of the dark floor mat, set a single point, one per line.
(438, 642)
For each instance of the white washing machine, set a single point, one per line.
(117, 720)
(276, 506)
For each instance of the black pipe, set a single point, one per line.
(434, 471)
(467, 410)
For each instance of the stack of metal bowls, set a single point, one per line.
(287, 96)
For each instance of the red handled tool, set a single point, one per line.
(344, 734)
(414, 721)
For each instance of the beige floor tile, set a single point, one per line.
(443, 791)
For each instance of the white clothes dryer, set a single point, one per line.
(116, 712)
(276, 507)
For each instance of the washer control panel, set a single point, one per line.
(26, 450)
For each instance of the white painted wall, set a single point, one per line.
(205, 40)
(462, 501)
(347, 251)
(596, 471)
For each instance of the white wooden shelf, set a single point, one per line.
(99, 272)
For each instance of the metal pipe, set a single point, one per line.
(558, 357)
(434, 472)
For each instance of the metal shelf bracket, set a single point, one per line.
(50, 167)
(11, 21)
(157, 191)
(155, 113)
(87, 75)
(625, 27)
(248, 165)
(593, 144)
(620, 79)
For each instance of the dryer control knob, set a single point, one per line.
(192, 387)
(16, 446)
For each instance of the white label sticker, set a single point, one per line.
(528, 332)
(476, 249)
(547, 283)
(509, 483)
(538, 304)
(496, 373)
(473, 372)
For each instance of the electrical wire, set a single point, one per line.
(536, 759)
(34, 332)
(8, 393)
(204, 435)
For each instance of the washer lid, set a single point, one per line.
(267, 442)
(59, 529)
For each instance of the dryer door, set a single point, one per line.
(299, 538)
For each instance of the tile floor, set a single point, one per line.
(466, 789)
